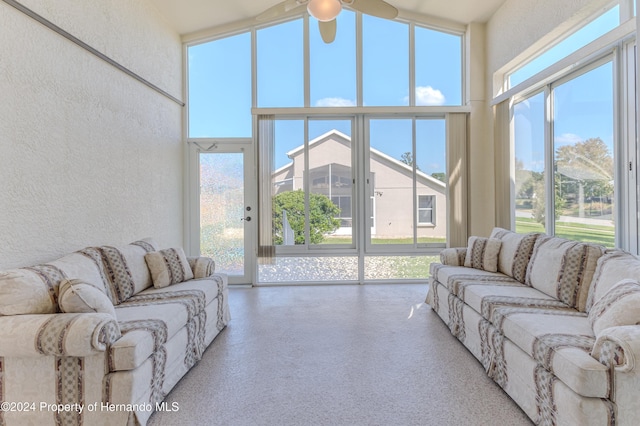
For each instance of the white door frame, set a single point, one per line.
(192, 214)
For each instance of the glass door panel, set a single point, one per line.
(331, 182)
(391, 181)
(584, 157)
(226, 212)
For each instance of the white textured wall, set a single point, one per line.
(521, 28)
(88, 155)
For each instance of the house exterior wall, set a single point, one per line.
(392, 191)
(88, 155)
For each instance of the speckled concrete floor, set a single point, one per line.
(337, 355)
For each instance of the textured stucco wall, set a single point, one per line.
(521, 28)
(88, 155)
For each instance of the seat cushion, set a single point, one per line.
(563, 269)
(485, 298)
(155, 316)
(561, 342)
(451, 276)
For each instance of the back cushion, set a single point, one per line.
(83, 267)
(515, 252)
(124, 268)
(563, 269)
(134, 256)
(612, 267)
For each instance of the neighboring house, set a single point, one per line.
(391, 188)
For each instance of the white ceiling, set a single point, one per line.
(187, 16)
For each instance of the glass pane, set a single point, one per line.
(584, 162)
(220, 88)
(431, 180)
(438, 83)
(222, 210)
(288, 183)
(333, 66)
(397, 267)
(385, 62)
(528, 118)
(391, 181)
(280, 65)
(309, 269)
(331, 177)
(585, 35)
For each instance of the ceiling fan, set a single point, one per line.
(326, 11)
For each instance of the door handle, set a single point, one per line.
(248, 218)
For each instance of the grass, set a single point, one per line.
(599, 234)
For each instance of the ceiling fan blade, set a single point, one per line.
(328, 30)
(280, 9)
(378, 8)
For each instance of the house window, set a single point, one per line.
(426, 207)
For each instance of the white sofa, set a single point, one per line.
(556, 324)
(120, 345)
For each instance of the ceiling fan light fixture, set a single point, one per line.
(324, 10)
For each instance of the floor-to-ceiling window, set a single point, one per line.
(357, 177)
(573, 153)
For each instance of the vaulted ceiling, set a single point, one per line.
(187, 16)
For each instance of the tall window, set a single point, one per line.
(565, 184)
(529, 142)
(583, 141)
(338, 187)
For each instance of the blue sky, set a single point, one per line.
(220, 82)
(220, 86)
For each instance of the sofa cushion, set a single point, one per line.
(485, 298)
(561, 343)
(27, 291)
(618, 306)
(449, 275)
(515, 252)
(482, 253)
(453, 256)
(563, 269)
(202, 267)
(611, 268)
(169, 266)
(76, 296)
(124, 268)
(80, 265)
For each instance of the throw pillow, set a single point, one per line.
(618, 306)
(515, 252)
(482, 253)
(77, 296)
(202, 267)
(169, 266)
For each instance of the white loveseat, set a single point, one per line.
(556, 326)
(94, 368)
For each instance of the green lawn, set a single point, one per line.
(604, 235)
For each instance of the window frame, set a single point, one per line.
(432, 209)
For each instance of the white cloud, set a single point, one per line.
(335, 102)
(427, 95)
(568, 139)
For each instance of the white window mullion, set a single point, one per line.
(549, 175)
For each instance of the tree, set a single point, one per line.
(407, 158)
(322, 216)
(588, 167)
(442, 177)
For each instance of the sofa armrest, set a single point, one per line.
(618, 347)
(202, 266)
(76, 335)
(453, 256)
